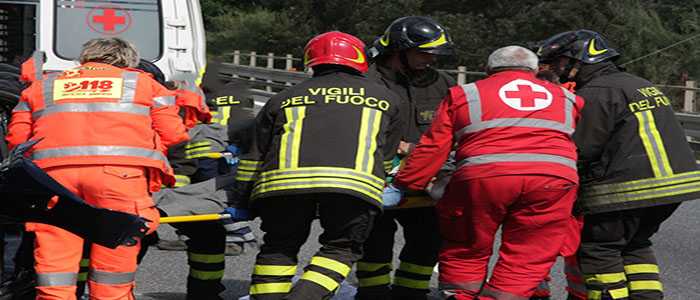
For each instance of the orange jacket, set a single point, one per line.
(98, 114)
(31, 69)
(191, 99)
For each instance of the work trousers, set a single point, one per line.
(616, 256)
(286, 221)
(58, 253)
(534, 212)
(418, 256)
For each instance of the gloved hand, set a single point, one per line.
(238, 214)
(231, 155)
(391, 196)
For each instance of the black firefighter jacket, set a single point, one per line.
(333, 133)
(632, 151)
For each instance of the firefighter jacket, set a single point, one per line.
(333, 133)
(510, 123)
(99, 114)
(632, 151)
(422, 96)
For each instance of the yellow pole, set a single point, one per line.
(194, 218)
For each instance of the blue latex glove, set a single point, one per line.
(391, 196)
(231, 155)
(238, 214)
(233, 149)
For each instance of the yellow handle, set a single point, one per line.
(195, 218)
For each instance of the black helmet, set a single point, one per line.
(152, 69)
(588, 47)
(405, 33)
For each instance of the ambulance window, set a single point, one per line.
(17, 32)
(138, 21)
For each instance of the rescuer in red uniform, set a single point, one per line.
(517, 168)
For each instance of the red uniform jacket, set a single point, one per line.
(510, 123)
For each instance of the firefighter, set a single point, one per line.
(574, 279)
(635, 166)
(318, 149)
(102, 131)
(403, 57)
(516, 168)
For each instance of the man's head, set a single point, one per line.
(152, 69)
(566, 52)
(412, 43)
(111, 51)
(335, 49)
(512, 58)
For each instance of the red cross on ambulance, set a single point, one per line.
(109, 20)
(525, 95)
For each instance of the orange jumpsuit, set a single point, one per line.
(103, 133)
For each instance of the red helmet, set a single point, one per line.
(336, 48)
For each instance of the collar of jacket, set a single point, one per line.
(389, 74)
(589, 72)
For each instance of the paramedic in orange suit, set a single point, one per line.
(104, 128)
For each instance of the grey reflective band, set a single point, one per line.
(320, 171)
(56, 279)
(38, 57)
(501, 295)
(569, 108)
(48, 89)
(646, 127)
(469, 286)
(99, 151)
(516, 122)
(517, 157)
(111, 277)
(164, 101)
(21, 106)
(473, 101)
(130, 80)
(93, 107)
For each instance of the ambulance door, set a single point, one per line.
(18, 30)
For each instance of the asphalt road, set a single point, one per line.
(163, 274)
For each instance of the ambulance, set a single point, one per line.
(169, 33)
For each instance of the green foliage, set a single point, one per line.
(635, 27)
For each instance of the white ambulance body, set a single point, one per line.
(169, 33)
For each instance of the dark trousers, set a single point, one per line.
(418, 256)
(205, 256)
(616, 256)
(286, 221)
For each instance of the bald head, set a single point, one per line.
(512, 58)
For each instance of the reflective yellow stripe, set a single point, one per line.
(637, 285)
(367, 139)
(641, 268)
(663, 156)
(667, 191)
(206, 275)
(198, 144)
(225, 115)
(332, 172)
(411, 283)
(375, 281)
(594, 295)
(291, 139)
(269, 270)
(270, 288)
(619, 293)
(441, 40)
(371, 267)
(388, 165)
(311, 183)
(250, 164)
(606, 278)
(207, 258)
(323, 280)
(331, 264)
(653, 145)
(245, 175)
(646, 183)
(181, 180)
(416, 269)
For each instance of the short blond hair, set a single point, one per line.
(112, 51)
